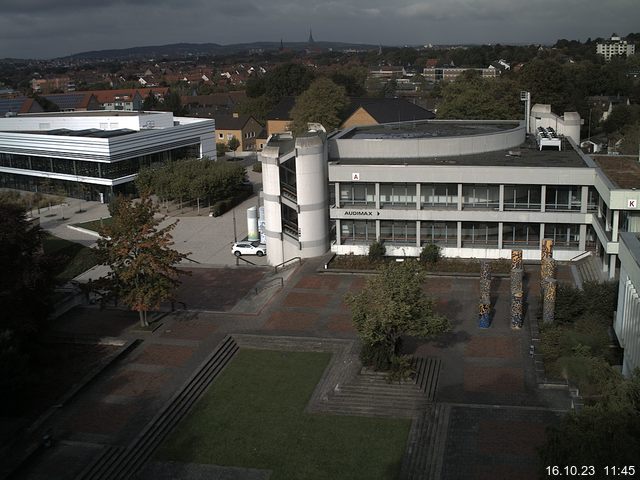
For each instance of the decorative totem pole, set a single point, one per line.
(549, 305)
(548, 281)
(517, 290)
(484, 308)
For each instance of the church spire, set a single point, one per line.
(311, 37)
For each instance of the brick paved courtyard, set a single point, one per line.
(498, 414)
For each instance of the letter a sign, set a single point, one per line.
(355, 177)
(632, 203)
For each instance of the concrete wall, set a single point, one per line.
(426, 147)
(627, 321)
(567, 125)
(312, 195)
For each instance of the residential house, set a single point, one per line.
(208, 106)
(373, 111)
(74, 102)
(244, 128)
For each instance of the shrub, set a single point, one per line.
(375, 355)
(430, 253)
(221, 149)
(377, 251)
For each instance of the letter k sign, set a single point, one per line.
(632, 203)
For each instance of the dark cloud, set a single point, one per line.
(42, 28)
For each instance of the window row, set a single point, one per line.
(473, 234)
(83, 168)
(445, 195)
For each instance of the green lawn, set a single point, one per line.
(253, 417)
(72, 258)
(95, 225)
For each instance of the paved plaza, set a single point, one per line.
(496, 412)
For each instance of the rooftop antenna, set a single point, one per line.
(526, 98)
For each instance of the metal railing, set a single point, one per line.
(285, 264)
(277, 282)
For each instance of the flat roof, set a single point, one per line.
(526, 155)
(89, 132)
(91, 113)
(623, 171)
(429, 129)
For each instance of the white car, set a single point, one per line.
(249, 248)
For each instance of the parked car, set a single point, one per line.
(249, 248)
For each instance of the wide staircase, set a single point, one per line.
(371, 394)
(587, 269)
(426, 444)
(122, 463)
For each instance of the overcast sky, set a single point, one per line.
(53, 28)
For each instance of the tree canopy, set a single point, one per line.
(393, 304)
(289, 79)
(143, 264)
(474, 98)
(322, 102)
(191, 180)
(606, 433)
(26, 286)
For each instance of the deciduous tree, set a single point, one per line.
(143, 264)
(322, 103)
(393, 304)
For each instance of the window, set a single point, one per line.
(221, 136)
(522, 197)
(520, 235)
(440, 233)
(564, 198)
(357, 232)
(397, 195)
(440, 195)
(564, 236)
(481, 196)
(362, 194)
(398, 232)
(480, 235)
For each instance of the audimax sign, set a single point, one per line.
(361, 213)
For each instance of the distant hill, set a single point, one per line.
(192, 49)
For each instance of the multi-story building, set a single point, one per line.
(476, 188)
(438, 74)
(95, 154)
(615, 47)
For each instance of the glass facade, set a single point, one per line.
(110, 170)
(82, 168)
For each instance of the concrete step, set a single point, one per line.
(125, 463)
(423, 458)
